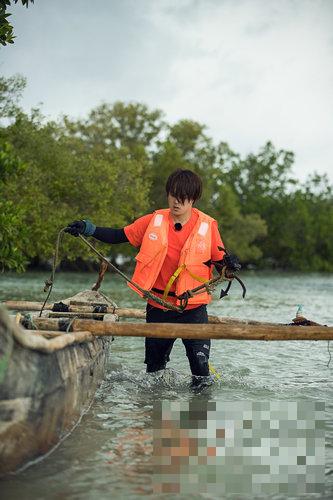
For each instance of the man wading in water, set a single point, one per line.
(174, 245)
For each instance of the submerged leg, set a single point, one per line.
(197, 352)
(157, 353)
(157, 350)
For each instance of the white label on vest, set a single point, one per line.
(203, 228)
(152, 236)
(158, 220)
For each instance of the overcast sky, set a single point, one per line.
(251, 70)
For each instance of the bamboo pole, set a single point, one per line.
(75, 306)
(119, 311)
(194, 331)
(88, 315)
(24, 305)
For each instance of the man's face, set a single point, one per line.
(178, 208)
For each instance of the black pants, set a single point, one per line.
(158, 350)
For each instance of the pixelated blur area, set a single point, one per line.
(239, 447)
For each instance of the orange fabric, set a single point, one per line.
(163, 250)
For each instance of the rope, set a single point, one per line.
(208, 286)
(146, 293)
(70, 323)
(49, 283)
(112, 304)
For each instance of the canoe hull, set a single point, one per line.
(42, 396)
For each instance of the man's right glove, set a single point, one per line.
(231, 262)
(85, 227)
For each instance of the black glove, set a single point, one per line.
(85, 227)
(231, 262)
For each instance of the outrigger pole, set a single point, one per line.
(227, 331)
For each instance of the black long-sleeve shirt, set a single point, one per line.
(110, 235)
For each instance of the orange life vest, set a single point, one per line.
(196, 250)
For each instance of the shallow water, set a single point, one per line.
(109, 453)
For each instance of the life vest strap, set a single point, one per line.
(172, 280)
(176, 274)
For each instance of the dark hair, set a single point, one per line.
(184, 184)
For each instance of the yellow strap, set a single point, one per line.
(172, 280)
(213, 371)
(175, 276)
(198, 278)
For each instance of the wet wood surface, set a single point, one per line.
(42, 396)
(231, 331)
(122, 312)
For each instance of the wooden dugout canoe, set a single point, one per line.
(43, 395)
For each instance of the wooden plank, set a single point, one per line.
(123, 312)
(200, 331)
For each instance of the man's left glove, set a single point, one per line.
(231, 262)
(85, 227)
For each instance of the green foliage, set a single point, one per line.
(297, 217)
(13, 232)
(240, 232)
(67, 179)
(6, 29)
(302, 225)
(10, 93)
(112, 167)
(259, 179)
(120, 125)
